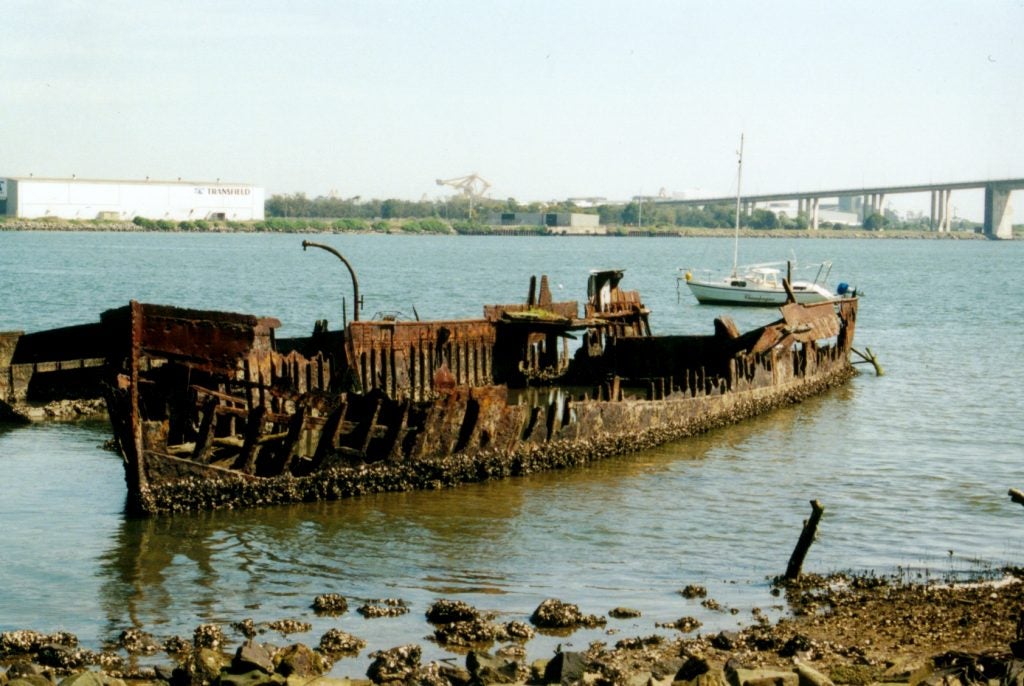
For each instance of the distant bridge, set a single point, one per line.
(998, 207)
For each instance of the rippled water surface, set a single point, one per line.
(913, 467)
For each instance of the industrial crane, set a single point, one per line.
(472, 185)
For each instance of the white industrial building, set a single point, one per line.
(40, 198)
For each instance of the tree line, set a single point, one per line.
(460, 208)
(465, 214)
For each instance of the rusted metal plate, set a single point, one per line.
(801, 323)
(208, 340)
(402, 358)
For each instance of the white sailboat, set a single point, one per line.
(761, 285)
(758, 285)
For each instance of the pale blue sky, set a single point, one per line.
(545, 99)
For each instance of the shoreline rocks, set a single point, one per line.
(89, 409)
(844, 630)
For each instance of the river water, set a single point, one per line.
(913, 467)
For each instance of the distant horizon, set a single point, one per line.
(908, 206)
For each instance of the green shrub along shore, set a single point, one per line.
(437, 226)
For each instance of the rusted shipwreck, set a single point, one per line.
(213, 410)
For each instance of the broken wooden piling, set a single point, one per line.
(796, 560)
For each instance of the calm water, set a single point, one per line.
(912, 467)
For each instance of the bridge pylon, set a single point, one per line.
(998, 211)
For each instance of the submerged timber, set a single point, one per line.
(212, 410)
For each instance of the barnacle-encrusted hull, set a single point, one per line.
(211, 411)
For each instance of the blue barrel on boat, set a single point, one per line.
(842, 288)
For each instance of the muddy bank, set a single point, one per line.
(842, 630)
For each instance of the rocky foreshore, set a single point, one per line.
(842, 630)
(54, 411)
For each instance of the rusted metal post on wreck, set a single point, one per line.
(796, 560)
(355, 281)
(135, 474)
(790, 295)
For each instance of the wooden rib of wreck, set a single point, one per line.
(211, 410)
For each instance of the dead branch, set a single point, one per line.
(869, 357)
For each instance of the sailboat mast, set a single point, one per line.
(736, 232)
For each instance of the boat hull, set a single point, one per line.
(725, 294)
(210, 411)
(196, 488)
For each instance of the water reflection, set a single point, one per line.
(503, 545)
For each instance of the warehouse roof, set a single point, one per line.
(184, 182)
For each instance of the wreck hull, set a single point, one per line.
(184, 486)
(210, 411)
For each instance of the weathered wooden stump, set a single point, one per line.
(796, 560)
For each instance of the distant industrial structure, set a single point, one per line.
(565, 223)
(74, 198)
